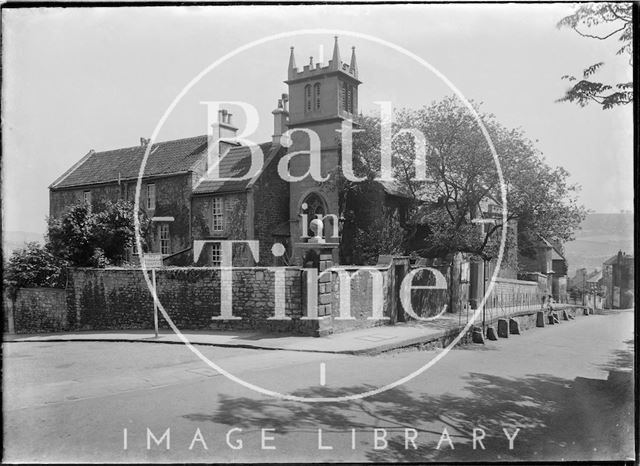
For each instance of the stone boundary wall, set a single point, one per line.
(361, 299)
(119, 299)
(428, 303)
(114, 299)
(37, 310)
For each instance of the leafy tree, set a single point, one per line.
(72, 236)
(34, 266)
(380, 237)
(89, 238)
(603, 21)
(115, 230)
(463, 177)
(364, 236)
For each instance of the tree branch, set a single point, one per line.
(583, 34)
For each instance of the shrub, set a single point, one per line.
(35, 266)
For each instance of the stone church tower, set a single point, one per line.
(321, 97)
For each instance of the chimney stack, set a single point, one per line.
(225, 128)
(144, 142)
(280, 119)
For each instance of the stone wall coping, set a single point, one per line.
(359, 267)
(538, 274)
(516, 282)
(170, 268)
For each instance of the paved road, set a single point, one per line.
(568, 388)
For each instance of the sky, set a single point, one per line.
(101, 78)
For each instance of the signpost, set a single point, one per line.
(153, 262)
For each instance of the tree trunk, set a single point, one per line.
(455, 302)
(10, 315)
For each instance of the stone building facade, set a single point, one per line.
(618, 281)
(187, 205)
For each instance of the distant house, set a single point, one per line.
(618, 281)
(579, 279)
(595, 282)
(547, 261)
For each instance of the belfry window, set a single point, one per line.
(347, 96)
(316, 93)
(307, 97)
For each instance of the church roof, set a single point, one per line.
(235, 164)
(165, 158)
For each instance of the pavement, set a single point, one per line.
(364, 341)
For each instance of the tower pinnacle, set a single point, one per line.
(292, 65)
(335, 61)
(353, 67)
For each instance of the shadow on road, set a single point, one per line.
(581, 419)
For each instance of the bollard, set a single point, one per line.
(540, 319)
(491, 333)
(476, 335)
(514, 327)
(503, 328)
(565, 315)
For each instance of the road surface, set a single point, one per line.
(568, 388)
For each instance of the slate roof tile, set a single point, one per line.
(165, 158)
(234, 164)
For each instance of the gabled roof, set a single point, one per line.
(234, 164)
(165, 158)
(614, 259)
(556, 254)
(595, 278)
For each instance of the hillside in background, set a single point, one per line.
(602, 236)
(12, 240)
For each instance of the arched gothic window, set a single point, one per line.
(316, 93)
(314, 207)
(347, 97)
(307, 98)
